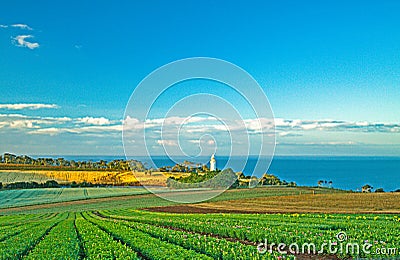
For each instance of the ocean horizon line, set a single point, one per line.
(276, 157)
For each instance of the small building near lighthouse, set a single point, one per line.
(213, 163)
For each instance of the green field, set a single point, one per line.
(18, 198)
(133, 234)
(120, 228)
(20, 176)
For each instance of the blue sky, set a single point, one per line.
(330, 69)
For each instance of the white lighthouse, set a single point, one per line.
(213, 163)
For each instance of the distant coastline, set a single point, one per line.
(345, 172)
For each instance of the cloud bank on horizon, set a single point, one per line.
(104, 132)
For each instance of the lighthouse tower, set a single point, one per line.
(213, 163)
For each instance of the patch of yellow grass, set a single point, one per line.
(95, 177)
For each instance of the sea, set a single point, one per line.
(343, 172)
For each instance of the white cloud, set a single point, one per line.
(22, 124)
(132, 124)
(288, 127)
(58, 119)
(167, 142)
(200, 141)
(363, 123)
(332, 143)
(309, 126)
(98, 130)
(26, 106)
(60, 125)
(259, 125)
(177, 121)
(48, 131)
(284, 128)
(22, 26)
(21, 42)
(94, 120)
(287, 134)
(13, 115)
(335, 125)
(18, 121)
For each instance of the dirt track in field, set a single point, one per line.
(377, 203)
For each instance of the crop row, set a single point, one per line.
(21, 219)
(18, 245)
(148, 246)
(217, 248)
(13, 228)
(61, 242)
(97, 244)
(281, 229)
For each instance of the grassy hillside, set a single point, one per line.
(18, 198)
(9, 176)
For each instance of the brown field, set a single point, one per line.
(385, 203)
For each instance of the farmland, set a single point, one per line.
(304, 203)
(9, 176)
(80, 199)
(129, 226)
(136, 234)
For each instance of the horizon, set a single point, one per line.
(217, 156)
(333, 86)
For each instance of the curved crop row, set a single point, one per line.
(17, 246)
(13, 231)
(98, 244)
(214, 247)
(288, 229)
(147, 245)
(13, 220)
(61, 243)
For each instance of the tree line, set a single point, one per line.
(9, 160)
(29, 185)
(226, 178)
(48, 184)
(211, 179)
(186, 167)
